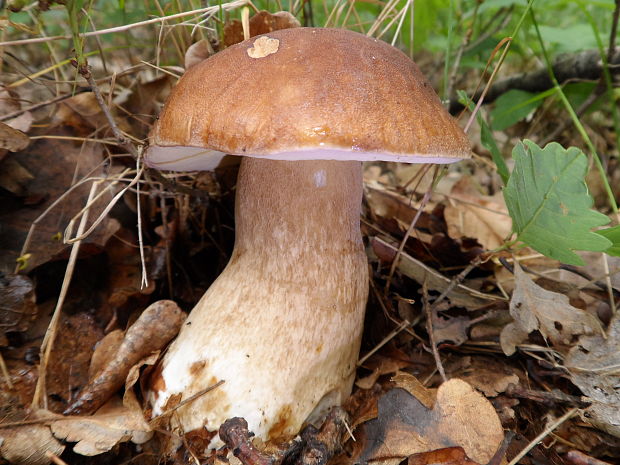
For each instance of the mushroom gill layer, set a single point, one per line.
(281, 326)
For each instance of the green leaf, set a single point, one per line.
(613, 234)
(512, 106)
(549, 203)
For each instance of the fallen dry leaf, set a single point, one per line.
(594, 367)
(125, 272)
(395, 212)
(534, 308)
(447, 456)
(470, 214)
(404, 426)
(261, 23)
(452, 329)
(17, 304)
(11, 139)
(155, 327)
(105, 351)
(52, 166)
(197, 52)
(112, 424)
(380, 365)
(488, 375)
(27, 445)
(413, 386)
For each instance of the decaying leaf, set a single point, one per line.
(395, 212)
(453, 329)
(52, 167)
(197, 52)
(27, 445)
(462, 295)
(469, 214)
(381, 365)
(261, 23)
(534, 308)
(11, 139)
(488, 375)
(594, 367)
(413, 386)
(125, 275)
(113, 423)
(17, 303)
(105, 351)
(157, 325)
(446, 456)
(404, 426)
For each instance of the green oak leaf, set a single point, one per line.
(549, 202)
(613, 234)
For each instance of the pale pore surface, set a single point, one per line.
(282, 324)
(181, 158)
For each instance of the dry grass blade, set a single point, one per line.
(543, 435)
(83, 235)
(39, 399)
(200, 11)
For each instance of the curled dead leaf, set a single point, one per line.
(470, 214)
(197, 52)
(262, 22)
(155, 327)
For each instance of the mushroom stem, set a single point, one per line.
(282, 324)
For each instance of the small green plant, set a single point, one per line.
(550, 205)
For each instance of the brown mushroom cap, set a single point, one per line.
(306, 93)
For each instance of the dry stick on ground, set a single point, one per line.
(543, 435)
(431, 334)
(5, 373)
(585, 65)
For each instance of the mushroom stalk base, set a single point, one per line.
(282, 324)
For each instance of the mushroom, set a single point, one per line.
(281, 326)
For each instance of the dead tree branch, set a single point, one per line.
(582, 66)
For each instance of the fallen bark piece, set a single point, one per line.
(157, 325)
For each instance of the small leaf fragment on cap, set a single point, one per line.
(263, 46)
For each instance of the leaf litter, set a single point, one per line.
(394, 414)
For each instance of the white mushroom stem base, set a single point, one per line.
(282, 324)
